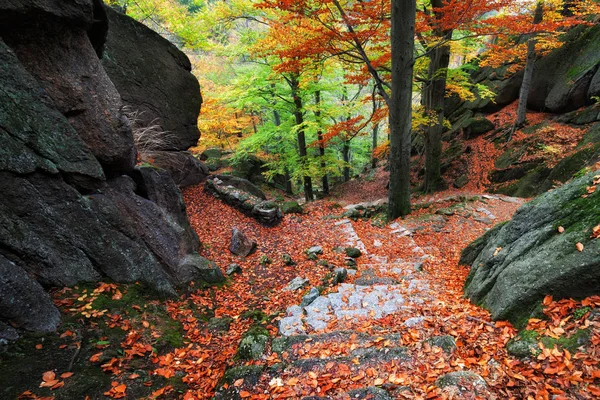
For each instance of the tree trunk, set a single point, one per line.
(373, 157)
(289, 189)
(402, 44)
(324, 179)
(307, 181)
(433, 102)
(346, 157)
(528, 73)
(276, 118)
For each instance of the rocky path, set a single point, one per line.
(366, 330)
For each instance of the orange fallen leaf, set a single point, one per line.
(561, 229)
(579, 246)
(66, 375)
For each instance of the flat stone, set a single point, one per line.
(296, 284)
(414, 321)
(293, 325)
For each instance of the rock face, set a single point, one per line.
(73, 206)
(565, 84)
(153, 77)
(516, 264)
(161, 95)
(569, 79)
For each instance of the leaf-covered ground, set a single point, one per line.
(118, 341)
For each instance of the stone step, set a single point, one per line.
(358, 359)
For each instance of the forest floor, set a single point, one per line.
(144, 348)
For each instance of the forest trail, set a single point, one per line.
(398, 324)
(398, 327)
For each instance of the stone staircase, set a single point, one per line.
(325, 342)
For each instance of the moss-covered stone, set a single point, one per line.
(253, 344)
(445, 342)
(250, 374)
(353, 252)
(460, 379)
(509, 157)
(220, 324)
(528, 186)
(287, 259)
(569, 166)
(527, 259)
(571, 343)
(291, 207)
(525, 344)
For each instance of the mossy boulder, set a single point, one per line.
(213, 152)
(291, 207)
(444, 342)
(517, 264)
(477, 127)
(253, 344)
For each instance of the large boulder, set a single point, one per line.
(72, 207)
(154, 79)
(516, 264)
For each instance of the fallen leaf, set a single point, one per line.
(579, 246)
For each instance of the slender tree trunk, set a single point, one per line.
(346, 158)
(374, 145)
(252, 115)
(288, 182)
(276, 118)
(402, 41)
(433, 102)
(324, 179)
(528, 73)
(306, 180)
(288, 179)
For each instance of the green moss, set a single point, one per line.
(264, 260)
(580, 312)
(572, 343)
(519, 318)
(525, 344)
(253, 343)
(291, 207)
(242, 372)
(582, 214)
(530, 130)
(256, 315)
(172, 335)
